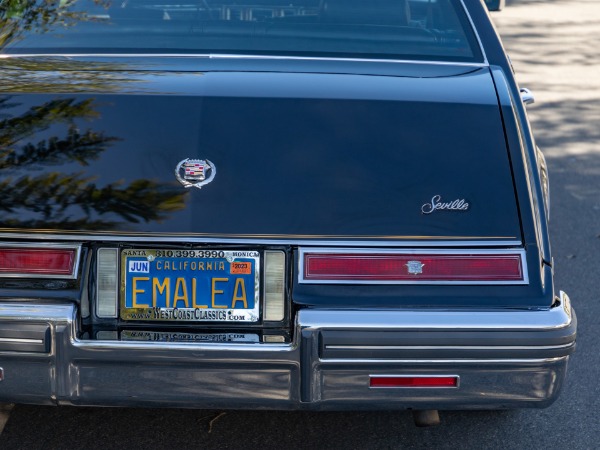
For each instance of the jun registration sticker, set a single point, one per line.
(190, 285)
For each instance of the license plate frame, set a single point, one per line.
(190, 285)
(179, 337)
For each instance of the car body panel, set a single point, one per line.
(258, 125)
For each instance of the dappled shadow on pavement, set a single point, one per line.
(517, 3)
(554, 49)
(554, 46)
(564, 128)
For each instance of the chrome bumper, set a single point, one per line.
(504, 359)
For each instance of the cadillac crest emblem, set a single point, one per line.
(195, 172)
(414, 267)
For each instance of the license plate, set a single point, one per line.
(190, 285)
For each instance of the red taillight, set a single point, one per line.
(37, 261)
(413, 382)
(416, 267)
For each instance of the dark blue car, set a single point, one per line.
(299, 204)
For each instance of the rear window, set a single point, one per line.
(388, 29)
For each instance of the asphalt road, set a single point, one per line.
(554, 48)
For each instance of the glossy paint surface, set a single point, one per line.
(336, 155)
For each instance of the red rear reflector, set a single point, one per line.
(413, 382)
(37, 261)
(424, 267)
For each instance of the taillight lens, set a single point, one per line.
(38, 262)
(423, 267)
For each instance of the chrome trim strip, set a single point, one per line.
(344, 241)
(21, 341)
(449, 347)
(49, 245)
(456, 377)
(374, 60)
(236, 56)
(327, 362)
(204, 346)
(555, 318)
(521, 252)
(474, 28)
(37, 312)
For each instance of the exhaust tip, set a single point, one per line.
(426, 418)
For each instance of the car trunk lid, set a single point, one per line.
(297, 156)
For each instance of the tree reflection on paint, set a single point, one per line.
(19, 16)
(53, 199)
(57, 74)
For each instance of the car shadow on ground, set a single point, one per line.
(194, 429)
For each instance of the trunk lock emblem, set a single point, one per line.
(195, 172)
(414, 267)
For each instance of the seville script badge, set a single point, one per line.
(195, 172)
(460, 204)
